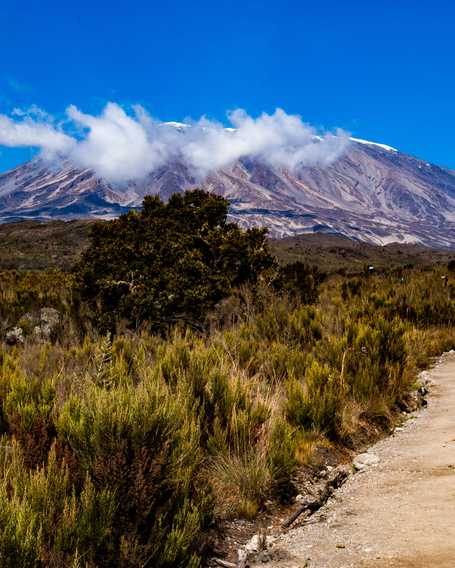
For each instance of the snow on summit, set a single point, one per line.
(369, 143)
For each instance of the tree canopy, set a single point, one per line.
(169, 262)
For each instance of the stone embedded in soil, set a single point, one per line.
(362, 461)
(258, 542)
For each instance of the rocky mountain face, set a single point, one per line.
(373, 193)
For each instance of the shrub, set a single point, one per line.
(43, 522)
(313, 404)
(168, 263)
(142, 445)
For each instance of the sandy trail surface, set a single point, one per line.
(398, 513)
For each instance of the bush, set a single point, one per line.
(141, 444)
(168, 263)
(313, 405)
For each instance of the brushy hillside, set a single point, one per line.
(333, 253)
(30, 245)
(129, 450)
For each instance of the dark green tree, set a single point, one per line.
(171, 262)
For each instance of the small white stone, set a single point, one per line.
(365, 460)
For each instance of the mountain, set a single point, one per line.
(372, 193)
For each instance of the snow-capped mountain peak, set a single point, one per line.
(372, 193)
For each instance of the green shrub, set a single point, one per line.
(314, 403)
(141, 444)
(171, 262)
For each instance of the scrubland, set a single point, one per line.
(129, 449)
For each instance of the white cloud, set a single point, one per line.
(120, 147)
(40, 134)
(279, 139)
(116, 146)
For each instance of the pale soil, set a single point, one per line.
(400, 513)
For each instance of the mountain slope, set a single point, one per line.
(372, 193)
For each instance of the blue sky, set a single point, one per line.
(382, 70)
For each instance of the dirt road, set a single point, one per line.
(399, 513)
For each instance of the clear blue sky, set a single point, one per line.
(383, 70)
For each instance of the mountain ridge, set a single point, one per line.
(372, 193)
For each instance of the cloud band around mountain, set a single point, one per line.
(120, 147)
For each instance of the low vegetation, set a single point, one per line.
(126, 444)
(335, 253)
(34, 245)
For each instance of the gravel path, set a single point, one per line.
(398, 513)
